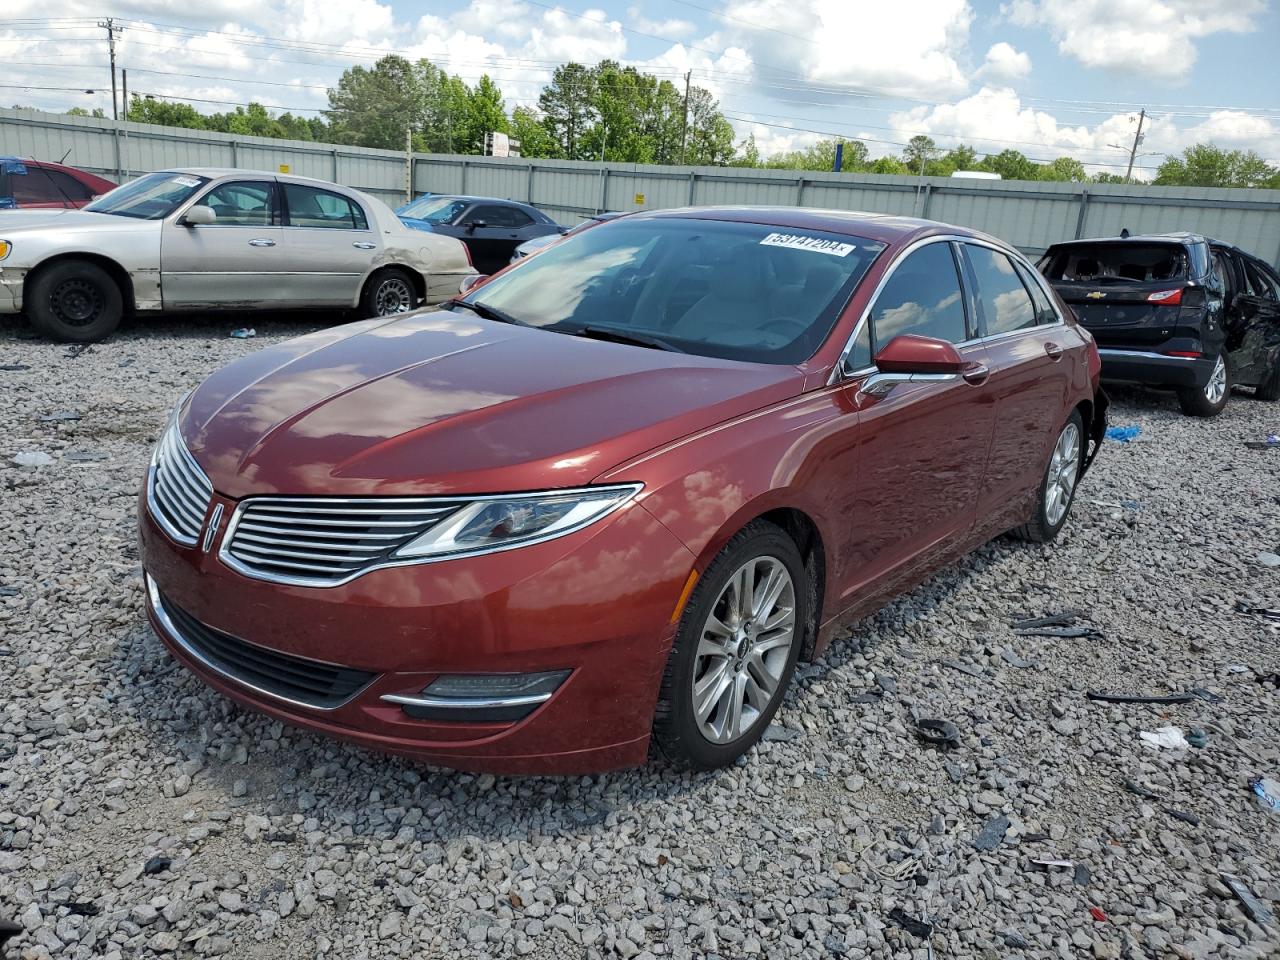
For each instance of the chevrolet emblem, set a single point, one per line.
(1095, 295)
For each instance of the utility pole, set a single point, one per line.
(684, 124)
(113, 31)
(124, 88)
(408, 163)
(1137, 142)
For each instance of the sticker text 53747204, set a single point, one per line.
(798, 241)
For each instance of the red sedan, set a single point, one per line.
(42, 184)
(613, 495)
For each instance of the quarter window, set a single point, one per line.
(922, 297)
(1045, 312)
(1002, 299)
(240, 204)
(310, 207)
(1263, 285)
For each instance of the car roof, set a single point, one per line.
(214, 173)
(886, 228)
(1181, 236)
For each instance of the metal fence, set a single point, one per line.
(1029, 214)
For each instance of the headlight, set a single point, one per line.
(502, 523)
(5, 248)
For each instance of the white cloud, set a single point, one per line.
(1005, 64)
(1148, 37)
(671, 28)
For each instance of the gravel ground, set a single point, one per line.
(141, 814)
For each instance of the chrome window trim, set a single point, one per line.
(176, 635)
(839, 376)
(471, 703)
(1147, 354)
(294, 580)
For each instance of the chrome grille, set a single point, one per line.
(324, 541)
(178, 492)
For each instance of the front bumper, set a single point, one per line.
(598, 602)
(1157, 369)
(11, 281)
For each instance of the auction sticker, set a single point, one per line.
(187, 181)
(798, 241)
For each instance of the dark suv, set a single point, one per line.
(1175, 310)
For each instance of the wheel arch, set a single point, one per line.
(413, 273)
(113, 268)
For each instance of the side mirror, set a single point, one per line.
(471, 281)
(472, 224)
(199, 216)
(908, 353)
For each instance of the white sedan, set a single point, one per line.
(205, 239)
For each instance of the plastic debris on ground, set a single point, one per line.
(1253, 907)
(1123, 434)
(1166, 738)
(1197, 737)
(1136, 788)
(1267, 613)
(1106, 696)
(61, 416)
(938, 733)
(917, 928)
(1069, 633)
(244, 333)
(1012, 658)
(1183, 815)
(1045, 864)
(1268, 559)
(1267, 791)
(157, 865)
(1062, 619)
(1098, 914)
(32, 459)
(1273, 440)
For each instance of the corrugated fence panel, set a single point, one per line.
(1030, 215)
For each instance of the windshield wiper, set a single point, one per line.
(489, 313)
(619, 336)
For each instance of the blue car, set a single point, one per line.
(491, 229)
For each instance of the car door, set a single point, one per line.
(236, 261)
(1257, 316)
(1026, 342)
(491, 235)
(329, 248)
(922, 445)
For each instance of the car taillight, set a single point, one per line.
(467, 251)
(1167, 298)
(1185, 354)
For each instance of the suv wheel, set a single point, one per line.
(735, 651)
(1209, 400)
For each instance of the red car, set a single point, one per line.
(40, 184)
(614, 494)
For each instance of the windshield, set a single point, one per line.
(1113, 262)
(149, 198)
(738, 291)
(433, 209)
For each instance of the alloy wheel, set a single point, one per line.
(1216, 388)
(394, 296)
(1064, 471)
(76, 302)
(744, 649)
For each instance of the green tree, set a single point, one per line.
(568, 110)
(1206, 165)
(373, 107)
(919, 151)
(488, 113)
(528, 128)
(963, 157)
(748, 154)
(166, 113)
(82, 112)
(1105, 177)
(887, 165)
(710, 140)
(1011, 165)
(1064, 168)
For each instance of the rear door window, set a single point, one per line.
(311, 207)
(923, 297)
(1045, 312)
(1003, 301)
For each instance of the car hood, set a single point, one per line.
(446, 403)
(14, 221)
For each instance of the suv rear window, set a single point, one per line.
(1136, 262)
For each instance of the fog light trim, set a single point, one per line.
(431, 704)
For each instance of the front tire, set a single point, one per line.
(74, 301)
(735, 650)
(1058, 488)
(387, 293)
(1209, 400)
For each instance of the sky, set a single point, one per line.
(1046, 77)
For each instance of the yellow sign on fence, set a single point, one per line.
(639, 199)
(284, 168)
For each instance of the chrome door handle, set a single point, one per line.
(976, 373)
(1053, 350)
(262, 242)
(364, 245)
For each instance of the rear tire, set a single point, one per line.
(387, 293)
(1058, 488)
(1211, 399)
(1269, 389)
(732, 661)
(74, 301)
